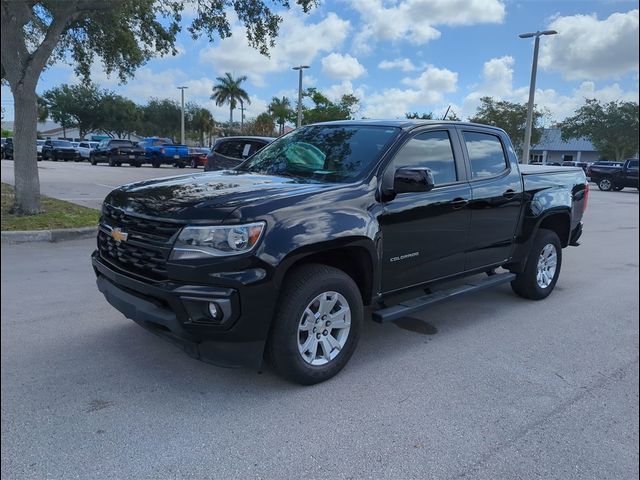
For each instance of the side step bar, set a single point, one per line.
(414, 305)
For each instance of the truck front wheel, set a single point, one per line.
(317, 324)
(605, 184)
(542, 269)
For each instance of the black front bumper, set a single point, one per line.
(174, 311)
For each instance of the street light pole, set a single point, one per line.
(532, 91)
(300, 68)
(182, 89)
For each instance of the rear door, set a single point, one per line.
(496, 196)
(425, 233)
(631, 179)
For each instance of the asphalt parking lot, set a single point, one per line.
(87, 184)
(500, 387)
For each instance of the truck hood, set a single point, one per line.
(209, 196)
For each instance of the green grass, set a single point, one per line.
(55, 214)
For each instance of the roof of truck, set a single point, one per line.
(405, 123)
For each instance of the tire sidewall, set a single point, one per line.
(605, 184)
(543, 238)
(284, 341)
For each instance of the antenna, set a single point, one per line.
(446, 113)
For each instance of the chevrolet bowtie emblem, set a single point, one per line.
(118, 235)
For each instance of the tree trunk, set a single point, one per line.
(230, 116)
(64, 131)
(25, 165)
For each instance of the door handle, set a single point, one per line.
(509, 194)
(458, 203)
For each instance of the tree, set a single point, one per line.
(262, 125)
(199, 121)
(280, 109)
(611, 127)
(161, 117)
(58, 103)
(324, 110)
(75, 105)
(119, 117)
(511, 117)
(37, 33)
(229, 90)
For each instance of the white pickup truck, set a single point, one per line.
(85, 148)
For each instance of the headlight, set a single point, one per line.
(218, 241)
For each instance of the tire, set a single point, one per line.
(301, 292)
(605, 184)
(54, 157)
(180, 165)
(137, 164)
(112, 163)
(194, 163)
(155, 163)
(92, 160)
(528, 283)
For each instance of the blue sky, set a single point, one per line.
(413, 55)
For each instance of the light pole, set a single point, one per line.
(532, 91)
(182, 89)
(300, 68)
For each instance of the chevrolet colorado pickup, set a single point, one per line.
(277, 257)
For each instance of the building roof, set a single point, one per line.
(551, 140)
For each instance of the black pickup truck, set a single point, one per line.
(115, 152)
(615, 177)
(277, 258)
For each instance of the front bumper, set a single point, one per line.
(176, 312)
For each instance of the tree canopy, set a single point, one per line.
(324, 110)
(280, 109)
(229, 90)
(612, 127)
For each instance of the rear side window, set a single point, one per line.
(430, 150)
(231, 149)
(486, 154)
(633, 164)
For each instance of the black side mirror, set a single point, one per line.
(413, 180)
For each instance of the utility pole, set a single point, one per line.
(532, 91)
(300, 68)
(182, 140)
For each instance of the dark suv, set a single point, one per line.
(229, 152)
(59, 150)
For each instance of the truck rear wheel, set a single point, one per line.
(605, 184)
(542, 269)
(317, 324)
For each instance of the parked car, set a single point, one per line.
(610, 177)
(198, 157)
(115, 152)
(278, 257)
(59, 150)
(162, 151)
(229, 152)
(85, 149)
(39, 145)
(582, 165)
(7, 148)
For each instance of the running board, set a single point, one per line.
(408, 307)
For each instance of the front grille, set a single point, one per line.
(147, 247)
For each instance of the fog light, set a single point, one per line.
(214, 311)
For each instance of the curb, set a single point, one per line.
(59, 235)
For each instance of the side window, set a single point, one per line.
(231, 149)
(255, 146)
(486, 154)
(633, 164)
(431, 150)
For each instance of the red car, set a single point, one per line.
(198, 157)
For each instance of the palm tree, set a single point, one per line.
(281, 110)
(229, 90)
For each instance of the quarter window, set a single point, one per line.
(430, 150)
(486, 154)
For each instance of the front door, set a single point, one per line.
(424, 234)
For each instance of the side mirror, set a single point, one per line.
(413, 180)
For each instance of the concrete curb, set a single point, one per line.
(48, 235)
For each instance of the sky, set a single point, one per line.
(401, 56)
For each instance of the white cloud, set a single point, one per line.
(335, 92)
(588, 48)
(497, 82)
(433, 83)
(403, 64)
(342, 67)
(414, 20)
(298, 43)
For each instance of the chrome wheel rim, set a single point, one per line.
(547, 264)
(324, 328)
(605, 184)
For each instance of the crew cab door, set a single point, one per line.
(496, 197)
(424, 234)
(630, 174)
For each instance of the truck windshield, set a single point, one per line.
(121, 143)
(327, 153)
